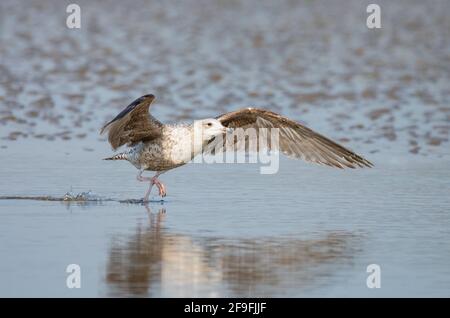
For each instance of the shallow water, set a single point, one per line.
(225, 230)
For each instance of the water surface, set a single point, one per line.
(226, 230)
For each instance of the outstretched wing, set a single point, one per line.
(133, 124)
(295, 140)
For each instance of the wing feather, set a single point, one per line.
(134, 124)
(296, 140)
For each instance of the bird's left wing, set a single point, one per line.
(295, 140)
(134, 124)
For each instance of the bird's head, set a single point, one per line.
(211, 128)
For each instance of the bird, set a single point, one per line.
(154, 146)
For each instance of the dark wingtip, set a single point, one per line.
(366, 164)
(148, 96)
(131, 106)
(139, 100)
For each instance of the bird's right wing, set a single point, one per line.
(134, 124)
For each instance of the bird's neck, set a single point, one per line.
(197, 141)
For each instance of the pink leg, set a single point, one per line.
(153, 180)
(139, 177)
(161, 187)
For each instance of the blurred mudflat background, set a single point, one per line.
(226, 230)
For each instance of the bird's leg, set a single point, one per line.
(153, 180)
(159, 184)
(147, 194)
(140, 178)
(161, 187)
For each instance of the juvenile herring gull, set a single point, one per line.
(161, 147)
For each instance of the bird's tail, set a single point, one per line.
(119, 156)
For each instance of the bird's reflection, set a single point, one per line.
(156, 262)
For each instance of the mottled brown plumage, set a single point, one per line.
(134, 124)
(295, 140)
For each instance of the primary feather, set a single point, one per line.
(295, 140)
(134, 124)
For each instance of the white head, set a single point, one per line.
(211, 128)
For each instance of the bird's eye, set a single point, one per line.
(209, 124)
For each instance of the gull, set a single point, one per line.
(159, 147)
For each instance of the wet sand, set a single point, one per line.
(225, 230)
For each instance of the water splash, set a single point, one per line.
(81, 197)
